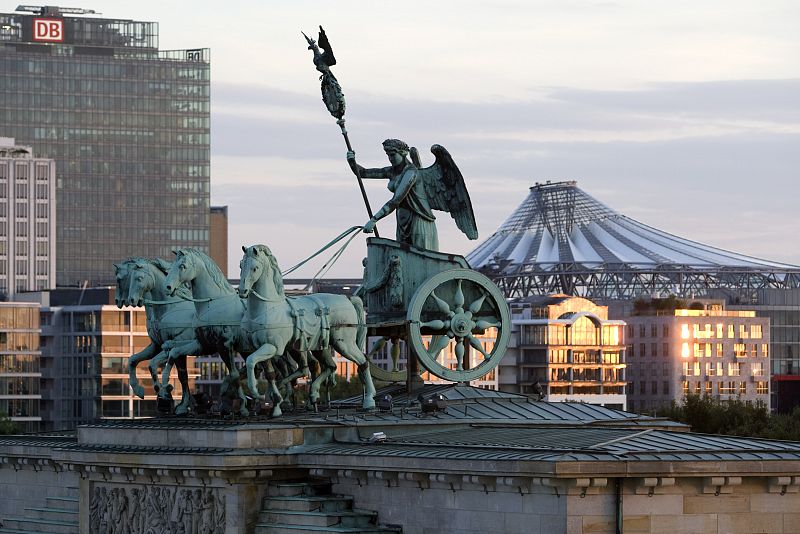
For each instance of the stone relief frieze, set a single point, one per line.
(140, 509)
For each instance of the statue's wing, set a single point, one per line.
(446, 191)
(327, 57)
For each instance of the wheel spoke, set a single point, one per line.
(477, 345)
(460, 354)
(458, 299)
(443, 306)
(436, 324)
(476, 306)
(437, 344)
(484, 324)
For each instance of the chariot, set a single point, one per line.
(433, 301)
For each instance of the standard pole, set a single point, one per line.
(340, 122)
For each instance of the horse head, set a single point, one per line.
(182, 271)
(121, 275)
(141, 282)
(257, 263)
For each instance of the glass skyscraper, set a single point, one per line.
(127, 125)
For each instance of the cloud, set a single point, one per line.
(689, 158)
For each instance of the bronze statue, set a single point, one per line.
(418, 191)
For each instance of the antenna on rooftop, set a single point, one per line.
(55, 10)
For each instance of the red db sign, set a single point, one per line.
(49, 30)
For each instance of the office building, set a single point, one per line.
(27, 220)
(218, 237)
(86, 342)
(562, 240)
(20, 373)
(706, 350)
(127, 125)
(565, 348)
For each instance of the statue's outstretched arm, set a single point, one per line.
(384, 173)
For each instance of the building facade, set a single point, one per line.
(218, 237)
(565, 349)
(20, 372)
(27, 220)
(724, 354)
(86, 343)
(127, 125)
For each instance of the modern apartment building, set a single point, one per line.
(20, 356)
(710, 351)
(127, 125)
(565, 349)
(86, 343)
(27, 219)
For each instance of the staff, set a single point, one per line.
(332, 94)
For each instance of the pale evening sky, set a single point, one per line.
(684, 115)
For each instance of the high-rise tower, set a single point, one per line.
(127, 125)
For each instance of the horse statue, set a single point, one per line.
(218, 312)
(140, 281)
(275, 323)
(170, 319)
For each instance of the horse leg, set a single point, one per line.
(327, 367)
(183, 377)
(349, 349)
(153, 366)
(262, 353)
(177, 350)
(148, 352)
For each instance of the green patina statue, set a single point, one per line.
(417, 191)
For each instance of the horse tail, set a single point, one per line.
(361, 331)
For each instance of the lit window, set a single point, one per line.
(720, 330)
(755, 331)
(734, 369)
(685, 350)
(764, 350)
(684, 331)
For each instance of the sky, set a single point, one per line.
(684, 115)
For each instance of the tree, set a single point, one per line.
(7, 426)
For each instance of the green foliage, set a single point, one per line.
(735, 418)
(7, 426)
(645, 306)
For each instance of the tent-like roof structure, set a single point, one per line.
(561, 239)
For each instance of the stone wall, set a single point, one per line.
(27, 485)
(451, 504)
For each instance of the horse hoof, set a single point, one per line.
(276, 412)
(138, 391)
(182, 410)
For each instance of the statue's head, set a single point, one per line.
(396, 150)
(395, 145)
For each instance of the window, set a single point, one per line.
(642, 350)
(757, 368)
(642, 387)
(742, 388)
(685, 350)
(755, 331)
(665, 369)
(719, 350)
(762, 388)
(654, 387)
(765, 350)
(665, 330)
(730, 331)
(665, 350)
(753, 350)
(685, 387)
(739, 350)
(653, 330)
(743, 333)
(665, 387)
(684, 331)
(654, 349)
(720, 330)
(708, 388)
(726, 388)
(641, 330)
(734, 369)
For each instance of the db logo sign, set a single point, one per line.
(49, 30)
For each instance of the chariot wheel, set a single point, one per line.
(458, 305)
